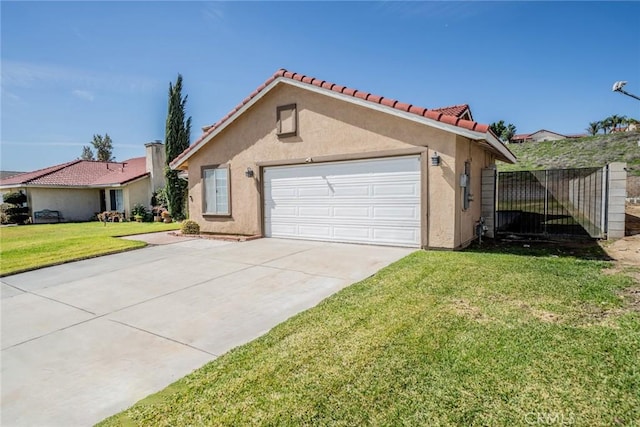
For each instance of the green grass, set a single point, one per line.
(28, 247)
(438, 338)
(578, 153)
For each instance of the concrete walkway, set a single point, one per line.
(84, 340)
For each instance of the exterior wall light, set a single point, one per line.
(248, 173)
(435, 159)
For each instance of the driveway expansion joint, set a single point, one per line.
(163, 337)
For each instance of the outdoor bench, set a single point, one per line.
(47, 215)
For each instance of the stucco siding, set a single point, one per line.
(137, 192)
(73, 204)
(546, 136)
(327, 127)
(478, 159)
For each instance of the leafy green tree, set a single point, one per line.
(503, 131)
(87, 153)
(103, 147)
(177, 136)
(594, 128)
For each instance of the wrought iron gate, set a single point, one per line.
(560, 202)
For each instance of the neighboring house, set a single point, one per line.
(81, 188)
(542, 135)
(307, 159)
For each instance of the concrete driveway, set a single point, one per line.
(84, 340)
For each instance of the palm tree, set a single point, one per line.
(606, 124)
(594, 128)
(509, 132)
(616, 121)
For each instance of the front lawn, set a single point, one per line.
(33, 246)
(438, 338)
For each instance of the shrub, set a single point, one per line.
(159, 197)
(13, 212)
(138, 210)
(18, 215)
(15, 198)
(189, 226)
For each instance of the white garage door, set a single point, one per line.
(366, 201)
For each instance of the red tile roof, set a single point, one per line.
(453, 110)
(432, 114)
(84, 173)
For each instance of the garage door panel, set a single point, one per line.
(317, 231)
(350, 190)
(360, 233)
(315, 191)
(369, 201)
(283, 211)
(397, 212)
(396, 190)
(390, 235)
(282, 191)
(345, 212)
(315, 212)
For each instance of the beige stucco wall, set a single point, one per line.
(155, 163)
(467, 219)
(74, 204)
(132, 194)
(327, 127)
(546, 136)
(137, 192)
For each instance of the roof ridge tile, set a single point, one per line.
(437, 114)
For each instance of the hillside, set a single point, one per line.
(578, 153)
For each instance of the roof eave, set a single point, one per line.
(499, 148)
(83, 186)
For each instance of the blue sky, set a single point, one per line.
(74, 69)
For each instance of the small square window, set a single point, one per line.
(287, 120)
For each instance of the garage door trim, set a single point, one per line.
(377, 226)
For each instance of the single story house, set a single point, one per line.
(303, 158)
(541, 136)
(81, 188)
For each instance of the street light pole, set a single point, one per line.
(617, 87)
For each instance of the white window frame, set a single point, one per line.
(211, 176)
(119, 199)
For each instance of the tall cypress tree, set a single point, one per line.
(178, 132)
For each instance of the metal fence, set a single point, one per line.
(559, 202)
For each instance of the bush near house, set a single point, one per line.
(13, 209)
(189, 226)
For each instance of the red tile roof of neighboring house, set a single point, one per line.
(436, 115)
(453, 110)
(84, 173)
